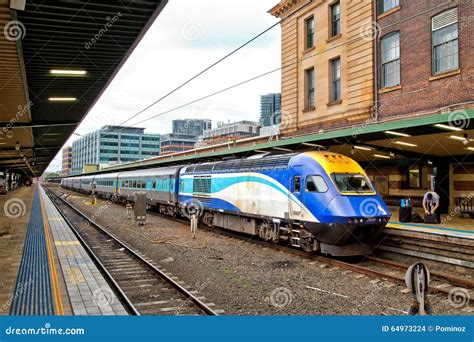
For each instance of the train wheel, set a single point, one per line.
(306, 241)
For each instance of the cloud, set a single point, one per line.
(187, 37)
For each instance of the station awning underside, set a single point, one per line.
(97, 37)
(448, 136)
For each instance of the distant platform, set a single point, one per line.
(455, 226)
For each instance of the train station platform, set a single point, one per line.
(450, 226)
(44, 269)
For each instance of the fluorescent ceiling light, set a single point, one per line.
(61, 72)
(449, 128)
(381, 156)
(405, 144)
(470, 148)
(62, 99)
(312, 145)
(463, 139)
(283, 149)
(363, 148)
(398, 134)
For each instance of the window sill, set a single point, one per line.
(333, 103)
(333, 38)
(445, 74)
(393, 10)
(309, 49)
(389, 89)
(306, 110)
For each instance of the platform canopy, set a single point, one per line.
(56, 59)
(441, 137)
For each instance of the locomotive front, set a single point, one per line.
(348, 210)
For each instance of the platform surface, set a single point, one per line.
(88, 291)
(44, 270)
(13, 227)
(449, 226)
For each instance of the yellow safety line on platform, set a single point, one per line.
(58, 304)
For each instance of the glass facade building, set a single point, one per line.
(270, 109)
(193, 127)
(113, 145)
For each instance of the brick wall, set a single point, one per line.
(418, 92)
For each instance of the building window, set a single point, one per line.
(335, 19)
(309, 23)
(335, 80)
(309, 75)
(387, 5)
(445, 41)
(391, 60)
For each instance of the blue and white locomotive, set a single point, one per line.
(319, 201)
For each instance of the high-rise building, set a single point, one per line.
(67, 161)
(193, 127)
(270, 109)
(113, 145)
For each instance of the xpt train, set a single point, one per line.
(319, 201)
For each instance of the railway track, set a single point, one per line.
(442, 252)
(143, 288)
(377, 267)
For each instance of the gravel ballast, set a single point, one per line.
(243, 278)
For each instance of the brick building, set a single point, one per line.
(353, 71)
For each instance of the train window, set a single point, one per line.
(297, 184)
(153, 184)
(352, 182)
(316, 183)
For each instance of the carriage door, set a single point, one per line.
(295, 193)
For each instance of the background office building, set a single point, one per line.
(173, 143)
(270, 109)
(113, 145)
(193, 127)
(67, 161)
(229, 131)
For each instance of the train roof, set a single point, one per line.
(162, 171)
(237, 165)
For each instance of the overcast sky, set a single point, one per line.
(188, 36)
